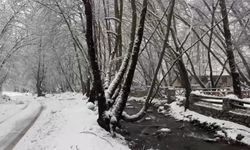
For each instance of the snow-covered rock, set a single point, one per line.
(164, 130)
(160, 108)
(148, 118)
(91, 106)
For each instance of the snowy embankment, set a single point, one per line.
(14, 127)
(230, 130)
(67, 124)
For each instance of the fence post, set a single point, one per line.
(226, 106)
(171, 95)
(191, 99)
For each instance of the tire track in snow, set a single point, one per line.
(16, 127)
(12, 115)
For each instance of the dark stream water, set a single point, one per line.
(143, 135)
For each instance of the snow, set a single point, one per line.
(12, 128)
(91, 106)
(199, 93)
(161, 109)
(155, 101)
(19, 98)
(231, 96)
(211, 100)
(18, 102)
(196, 93)
(230, 128)
(247, 105)
(9, 110)
(67, 123)
(165, 130)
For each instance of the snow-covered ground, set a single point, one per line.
(65, 124)
(14, 127)
(231, 129)
(10, 108)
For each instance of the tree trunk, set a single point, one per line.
(119, 76)
(39, 76)
(102, 120)
(121, 103)
(154, 80)
(229, 50)
(181, 66)
(88, 86)
(80, 70)
(184, 80)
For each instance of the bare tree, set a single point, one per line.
(229, 50)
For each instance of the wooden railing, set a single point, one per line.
(206, 98)
(226, 108)
(227, 103)
(222, 92)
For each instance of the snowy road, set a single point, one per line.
(66, 124)
(10, 110)
(15, 121)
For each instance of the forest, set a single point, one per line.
(109, 51)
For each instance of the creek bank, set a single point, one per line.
(181, 135)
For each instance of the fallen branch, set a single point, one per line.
(88, 132)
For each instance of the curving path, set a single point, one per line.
(13, 129)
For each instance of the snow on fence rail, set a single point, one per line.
(209, 94)
(222, 91)
(226, 102)
(206, 98)
(207, 91)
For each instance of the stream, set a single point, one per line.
(145, 134)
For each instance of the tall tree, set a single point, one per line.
(102, 119)
(109, 121)
(229, 50)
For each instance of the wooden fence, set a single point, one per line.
(226, 108)
(227, 103)
(222, 92)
